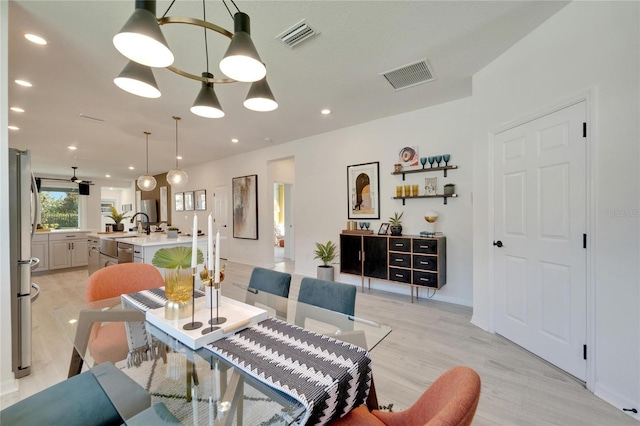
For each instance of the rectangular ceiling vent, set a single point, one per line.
(297, 34)
(410, 75)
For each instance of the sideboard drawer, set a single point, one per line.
(400, 244)
(428, 279)
(425, 245)
(425, 263)
(402, 260)
(400, 275)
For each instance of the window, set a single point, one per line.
(59, 206)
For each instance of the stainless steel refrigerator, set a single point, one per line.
(24, 205)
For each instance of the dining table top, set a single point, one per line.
(206, 385)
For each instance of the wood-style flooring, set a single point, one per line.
(428, 338)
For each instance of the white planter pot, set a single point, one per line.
(325, 272)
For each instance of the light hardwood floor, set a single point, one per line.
(428, 338)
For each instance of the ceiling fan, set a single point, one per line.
(73, 179)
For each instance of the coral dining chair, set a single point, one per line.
(451, 400)
(108, 341)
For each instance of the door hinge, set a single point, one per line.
(584, 241)
(584, 351)
(584, 130)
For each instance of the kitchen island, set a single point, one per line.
(134, 247)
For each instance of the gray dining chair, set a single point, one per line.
(330, 296)
(265, 282)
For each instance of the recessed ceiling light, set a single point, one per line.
(268, 140)
(72, 148)
(107, 175)
(35, 39)
(14, 128)
(235, 140)
(179, 157)
(131, 168)
(17, 109)
(325, 111)
(110, 189)
(23, 83)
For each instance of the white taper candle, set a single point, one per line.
(217, 266)
(210, 243)
(194, 244)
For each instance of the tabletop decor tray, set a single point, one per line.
(239, 316)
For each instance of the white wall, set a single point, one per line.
(7, 381)
(586, 47)
(320, 193)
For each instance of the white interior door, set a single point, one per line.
(540, 219)
(220, 218)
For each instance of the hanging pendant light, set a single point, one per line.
(138, 80)
(242, 62)
(260, 98)
(206, 103)
(176, 177)
(141, 39)
(147, 182)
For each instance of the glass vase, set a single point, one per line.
(178, 287)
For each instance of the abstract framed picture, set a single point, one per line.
(408, 156)
(245, 207)
(363, 191)
(179, 200)
(188, 201)
(201, 199)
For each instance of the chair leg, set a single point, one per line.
(372, 398)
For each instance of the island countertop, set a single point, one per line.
(157, 239)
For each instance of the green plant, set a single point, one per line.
(172, 228)
(325, 252)
(395, 219)
(175, 257)
(115, 216)
(450, 184)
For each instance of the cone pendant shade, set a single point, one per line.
(141, 39)
(206, 103)
(260, 98)
(242, 62)
(138, 80)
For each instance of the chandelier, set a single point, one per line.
(142, 42)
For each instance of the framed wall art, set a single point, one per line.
(245, 207)
(163, 204)
(201, 199)
(188, 200)
(408, 156)
(384, 228)
(363, 191)
(179, 199)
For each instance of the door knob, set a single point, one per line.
(497, 243)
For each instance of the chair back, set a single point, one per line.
(451, 400)
(122, 278)
(263, 284)
(329, 295)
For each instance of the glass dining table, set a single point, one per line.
(199, 386)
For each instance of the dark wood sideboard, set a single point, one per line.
(420, 262)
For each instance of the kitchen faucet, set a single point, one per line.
(148, 229)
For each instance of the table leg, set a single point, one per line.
(372, 398)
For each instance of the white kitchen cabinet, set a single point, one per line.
(40, 249)
(67, 250)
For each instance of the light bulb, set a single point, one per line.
(177, 178)
(146, 183)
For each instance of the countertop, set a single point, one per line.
(154, 239)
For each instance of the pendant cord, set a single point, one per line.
(176, 118)
(147, 133)
(228, 10)
(235, 5)
(206, 44)
(167, 11)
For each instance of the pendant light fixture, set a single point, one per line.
(260, 98)
(141, 39)
(242, 62)
(177, 178)
(138, 80)
(147, 182)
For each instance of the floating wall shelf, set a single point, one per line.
(426, 169)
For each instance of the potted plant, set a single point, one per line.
(178, 280)
(326, 253)
(117, 218)
(396, 224)
(449, 189)
(172, 232)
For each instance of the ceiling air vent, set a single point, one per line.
(409, 75)
(297, 34)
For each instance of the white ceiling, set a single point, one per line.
(338, 69)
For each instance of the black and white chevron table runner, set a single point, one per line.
(327, 376)
(151, 299)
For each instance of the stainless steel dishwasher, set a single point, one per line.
(125, 252)
(94, 254)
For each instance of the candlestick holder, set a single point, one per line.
(209, 282)
(193, 325)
